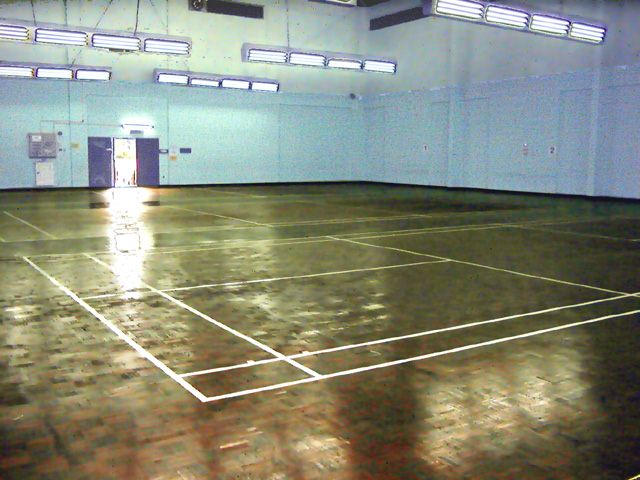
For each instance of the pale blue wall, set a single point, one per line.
(475, 134)
(234, 136)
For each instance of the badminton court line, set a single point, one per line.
(463, 326)
(393, 363)
(462, 262)
(273, 279)
(30, 225)
(565, 232)
(123, 336)
(221, 325)
(218, 215)
(348, 220)
(244, 243)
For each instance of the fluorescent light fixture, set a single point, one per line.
(204, 82)
(506, 17)
(56, 73)
(460, 8)
(14, 32)
(272, 56)
(170, 47)
(344, 63)
(98, 75)
(309, 59)
(238, 84)
(16, 71)
(115, 42)
(588, 33)
(549, 25)
(379, 66)
(61, 37)
(133, 127)
(175, 78)
(265, 86)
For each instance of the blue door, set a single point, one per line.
(148, 161)
(100, 162)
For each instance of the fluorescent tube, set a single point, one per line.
(272, 56)
(239, 84)
(14, 32)
(57, 73)
(204, 82)
(589, 33)
(549, 25)
(265, 86)
(310, 59)
(175, 78)
(460, 8)
(379, 66)
(61, 37)
(115, 42)
(15, 71)
(506, 17)
(344, 63)
(99, 75)
(170, 47)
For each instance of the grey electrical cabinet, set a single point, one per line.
(42, 145)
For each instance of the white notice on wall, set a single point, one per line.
(173, 152)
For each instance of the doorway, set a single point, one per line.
(125, 170)
(123, 162)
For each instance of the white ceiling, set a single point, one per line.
(432, 52)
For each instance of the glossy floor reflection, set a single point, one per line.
(419, 334)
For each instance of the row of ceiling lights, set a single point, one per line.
(308, 58)
(58, 72)
(175, 77)
(191, 79)
(50, 34)
(504, 16)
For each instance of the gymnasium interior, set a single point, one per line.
(320, 239)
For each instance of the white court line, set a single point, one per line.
(513, 272)
(221, 325)
(267, 280)
(447, 230)
(123, 336)
(393, 363)
(2, 239)
(244, 243)
(293, 277)
(411, 335)
(30, 225)
(218, 215)
(565, 232)
(348, 220)
(228, 192)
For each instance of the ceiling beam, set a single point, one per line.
(398, 18)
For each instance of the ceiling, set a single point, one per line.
(432, 52)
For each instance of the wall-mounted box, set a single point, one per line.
(45, 174)
(42, 145)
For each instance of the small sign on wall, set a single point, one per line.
(173, 153)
